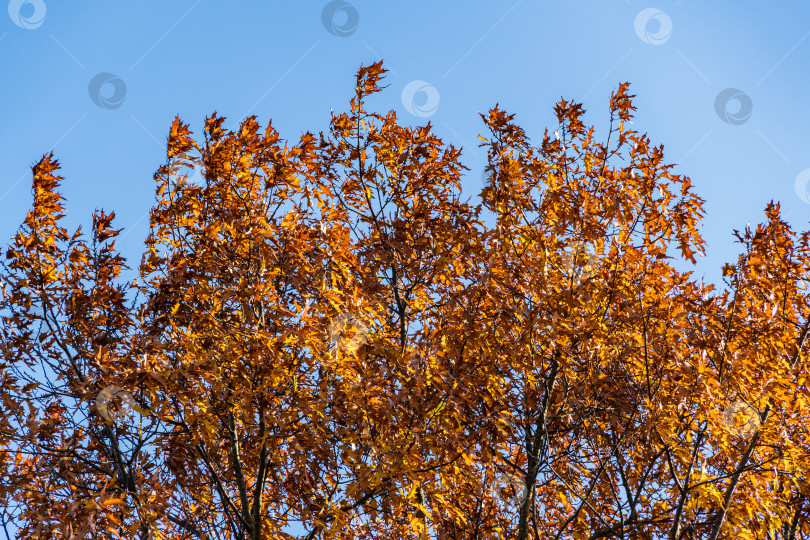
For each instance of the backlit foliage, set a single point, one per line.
(325, 338)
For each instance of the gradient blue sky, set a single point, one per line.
(278, 60)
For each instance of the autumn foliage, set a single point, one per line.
(326, 342)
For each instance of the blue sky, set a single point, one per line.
(280, 60)
(99, 83)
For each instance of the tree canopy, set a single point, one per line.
(325, 338)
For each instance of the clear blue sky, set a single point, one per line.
(278, 60)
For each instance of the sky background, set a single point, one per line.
(100, 82)
(722, 85)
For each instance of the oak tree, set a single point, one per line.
(324, 337)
